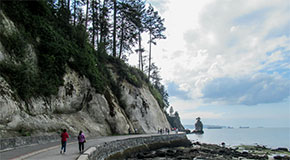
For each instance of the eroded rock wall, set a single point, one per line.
(76, 107)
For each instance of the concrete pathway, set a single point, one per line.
(51, 151)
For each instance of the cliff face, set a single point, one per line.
(76, 106)
(174, 121)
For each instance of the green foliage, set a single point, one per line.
(138, 79)
(57, 43)
(17, 51)
(85, 63)
(20, 77)
(157, 96)
(24, 132)
(130, 74)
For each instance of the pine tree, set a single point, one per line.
(87, 14)
(95, 20)
(154, 25)
(114, 28)
(104, 22)
(129, 20)
(77, 11)
(156, 78)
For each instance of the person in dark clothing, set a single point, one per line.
(64, 136)
(82, 140)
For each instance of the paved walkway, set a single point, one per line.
(51, 151)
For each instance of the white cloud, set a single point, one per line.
(184, 105)
(259, 88)
(204, 115)
(230, 39)
(211, 40)
(161, 5)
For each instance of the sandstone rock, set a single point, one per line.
(9, 106)
(142, 109)
(77, 106)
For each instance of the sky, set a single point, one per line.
(226, 61)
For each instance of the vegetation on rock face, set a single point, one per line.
(57, 32)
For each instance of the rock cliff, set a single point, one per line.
(76, 106)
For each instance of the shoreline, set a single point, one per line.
(214, 152)
(268, 137)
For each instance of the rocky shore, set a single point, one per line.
(202, 151)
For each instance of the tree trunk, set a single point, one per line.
(93, 21)
(149, 67)
(102, 38)
(68, 4)
(114, 30)
(87, 14)
(140, 53)
(97, 15)
(75, 8)
(122, 39)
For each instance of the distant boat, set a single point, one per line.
(244, 127)
(214, 127)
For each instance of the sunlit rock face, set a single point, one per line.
(142, 109)
(77, 106)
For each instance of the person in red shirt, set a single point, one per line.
(64, 136)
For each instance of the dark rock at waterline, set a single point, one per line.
(281, 149)
(196, 151)
(187, 131)
(160, 154)
(196, 143)
(281, 157)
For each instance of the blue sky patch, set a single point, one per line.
(173, 90)
(255, 17)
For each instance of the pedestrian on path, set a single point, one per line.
(82, 140)
(64, 136)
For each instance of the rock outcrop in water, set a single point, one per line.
(76, 106)
(198, 126)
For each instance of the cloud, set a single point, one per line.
(176, 91)
(161, 5)
(257, 89)
(236, 44)
(203, 115)
(184, 105)
(228, 44)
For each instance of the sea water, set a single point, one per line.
(269, 137)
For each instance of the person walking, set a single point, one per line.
(64, 136)
(82, 140)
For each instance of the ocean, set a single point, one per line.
(269, 137)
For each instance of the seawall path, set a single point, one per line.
(93, 147)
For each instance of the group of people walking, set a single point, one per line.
(81, 139)
(166, 130)
(163, 130)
